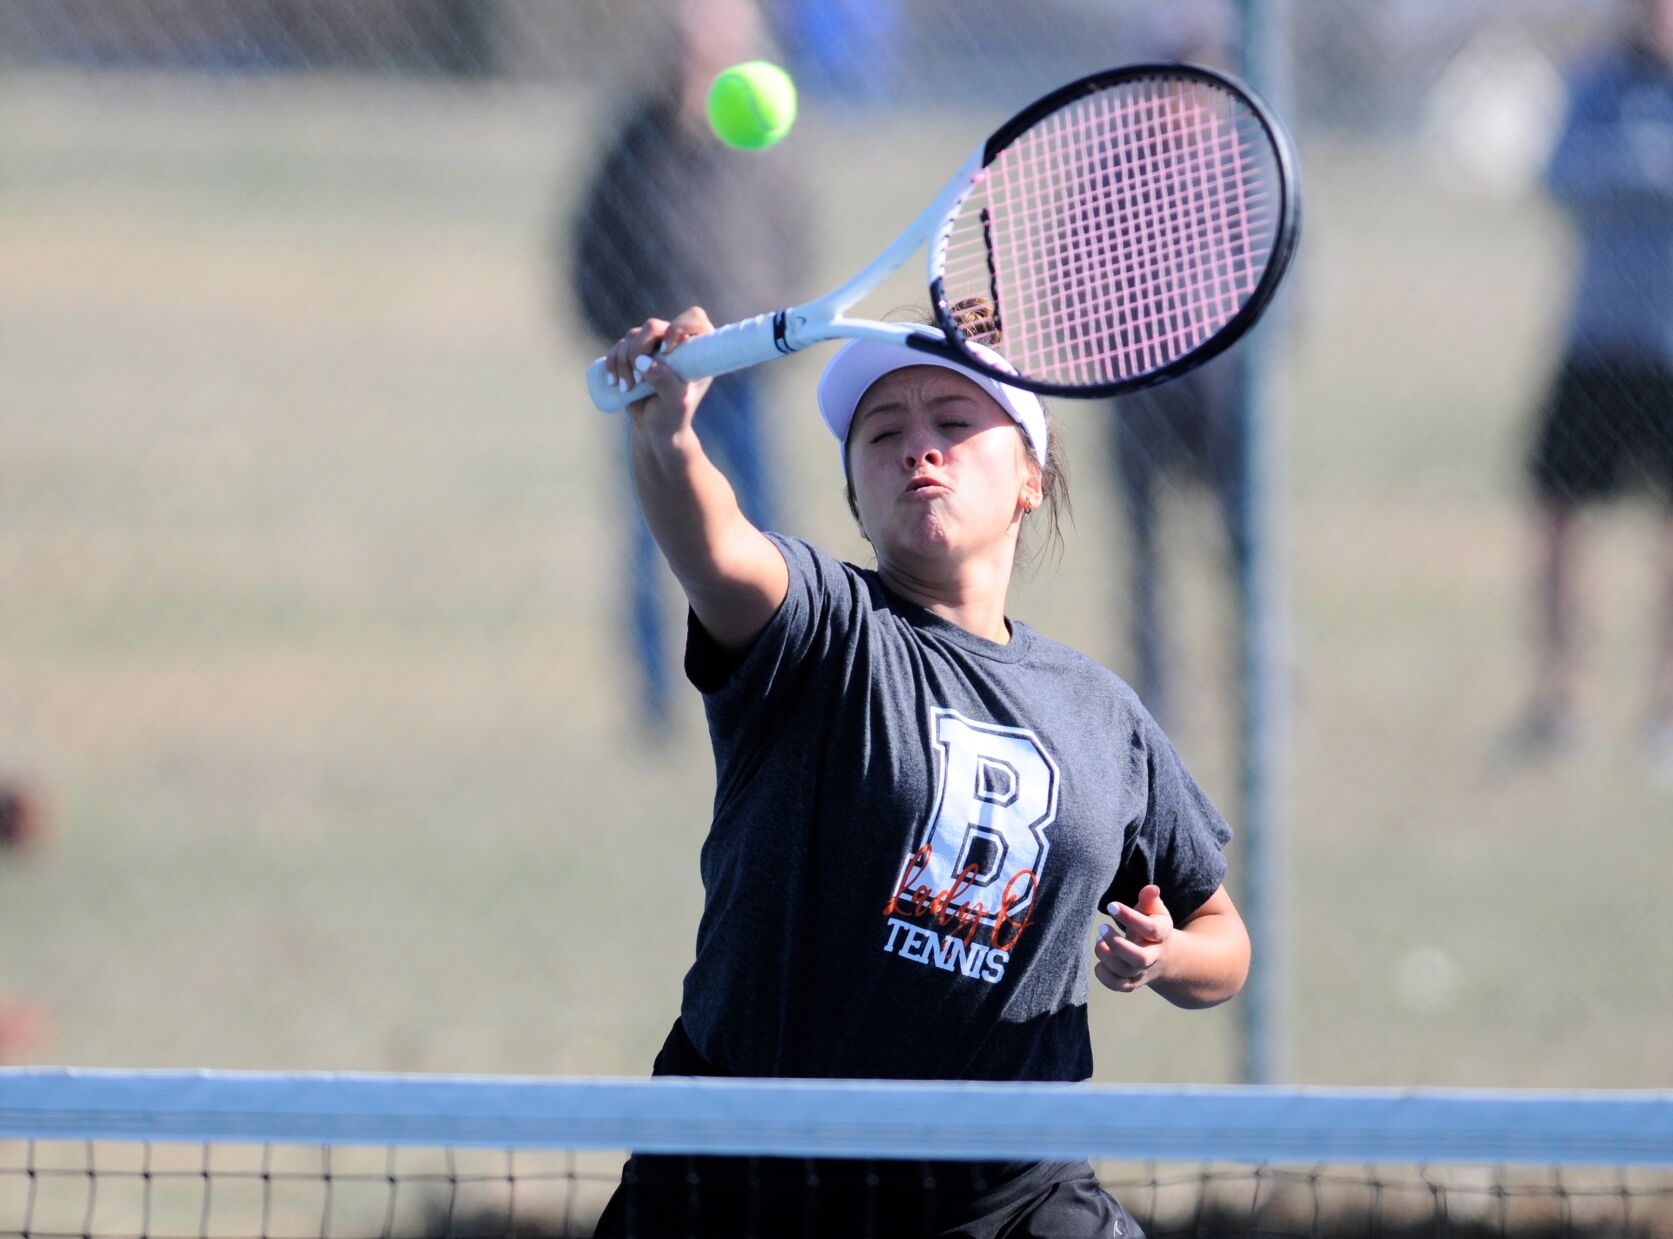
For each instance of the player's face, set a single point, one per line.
(940, 471)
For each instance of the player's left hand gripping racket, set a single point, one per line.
(1125, 228)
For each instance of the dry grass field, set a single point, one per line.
(309, 560)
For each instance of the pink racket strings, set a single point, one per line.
(1120, 232)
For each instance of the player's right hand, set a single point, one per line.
(638, 358)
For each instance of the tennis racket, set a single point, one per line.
(1120, 231)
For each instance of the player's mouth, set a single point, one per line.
(926, 487)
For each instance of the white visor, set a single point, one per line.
(860, 363)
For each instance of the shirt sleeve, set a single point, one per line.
(1179, 842)
(809, 631)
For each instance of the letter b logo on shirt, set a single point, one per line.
(996, 793)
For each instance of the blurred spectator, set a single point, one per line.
(1185, 432)
(22, 826)
(675, 218)
(1606, 428)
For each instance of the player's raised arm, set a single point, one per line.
(732, 574)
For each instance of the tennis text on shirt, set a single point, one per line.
(963, 899)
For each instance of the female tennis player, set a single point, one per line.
(921, 806)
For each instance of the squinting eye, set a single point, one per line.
(881, 435)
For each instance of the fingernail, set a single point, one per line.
(624, 385)
(1104, 932)
(642, 363)
(1115, 909)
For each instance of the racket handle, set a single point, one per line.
(735, 346)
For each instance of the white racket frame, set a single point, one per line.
(767, 337)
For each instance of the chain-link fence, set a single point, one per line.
(345, 697)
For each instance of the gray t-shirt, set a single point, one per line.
(914, 829)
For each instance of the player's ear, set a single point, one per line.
(1033, 492)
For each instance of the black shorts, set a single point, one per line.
(662, 1197)
(1606, 429)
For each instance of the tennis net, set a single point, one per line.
(165, 1154)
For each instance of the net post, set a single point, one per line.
(1265, 1050)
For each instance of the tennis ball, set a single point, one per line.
(752, 105)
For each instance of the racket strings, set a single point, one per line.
(1121, 251)
(1171, 266)
(1121, 231)
(1153, 266)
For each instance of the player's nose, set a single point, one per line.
(921, 446)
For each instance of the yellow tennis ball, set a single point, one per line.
(752, 105)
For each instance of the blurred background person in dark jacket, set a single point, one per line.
(675, 218)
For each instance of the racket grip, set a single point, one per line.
(748, 342)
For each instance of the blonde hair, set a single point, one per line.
(977, 320)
